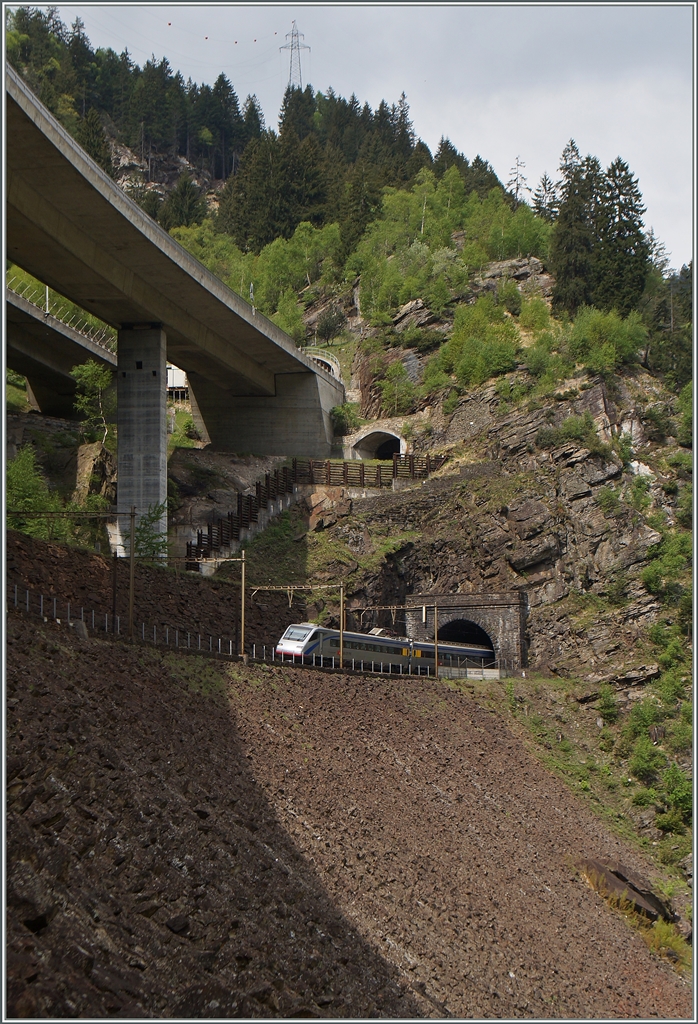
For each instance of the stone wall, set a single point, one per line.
(502, 616)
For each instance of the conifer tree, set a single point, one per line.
(621, 259)
(545, 199)
(184, 206)
(253, 119)
(574, 237)
(93, 140)
(297, 112)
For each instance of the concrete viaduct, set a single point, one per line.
(70, 226)
(45, 350)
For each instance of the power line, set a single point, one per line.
(295, 79)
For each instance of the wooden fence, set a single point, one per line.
(224, 530)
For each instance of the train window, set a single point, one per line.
(296, 633)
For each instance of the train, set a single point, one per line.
(308, 643)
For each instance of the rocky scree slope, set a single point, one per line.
(187, 839)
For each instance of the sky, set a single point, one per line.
(501, 80)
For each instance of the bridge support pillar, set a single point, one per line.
(141, 390)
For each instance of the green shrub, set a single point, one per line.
(684, 511)
(623, 447)
(642, 715)
(451, 403)
(345, 419)
(671, 685)
(604, 341)
(574, 428)
(483, 345)
(639, 497)
(608, 501)
(684, 407)
(608, 704)
(617, 591)
(679, 738)
(434, 377)
(646, 761)
(679, 791)
(534, 315)
(510, 297)
(671, 562)
(645, 797)
(26, 493)
(397, 390)
(658, 423)
(672, 821)
(681, 461)
(674, 654)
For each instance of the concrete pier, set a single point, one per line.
(141, 383)
(295, 419)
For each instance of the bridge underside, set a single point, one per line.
(70, 226)
(45, 350)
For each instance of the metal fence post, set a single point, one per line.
(132, 570)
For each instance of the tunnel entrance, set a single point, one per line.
(379, 444)
(462, 631)
(388, 449)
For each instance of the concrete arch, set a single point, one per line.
(463, 631)
(378, 444)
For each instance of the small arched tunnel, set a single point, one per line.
(379, 444)
(463, 631)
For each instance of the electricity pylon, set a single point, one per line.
(295, 79)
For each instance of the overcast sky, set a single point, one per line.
(499, 80)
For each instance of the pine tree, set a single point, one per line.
(184, 206)
(93, 140)
(228, 125)
(253, 119)
(545, 199)
(297, 112)
(621, 259)
(480, 178)
(249, 209)
(574, 237)
(447, 156)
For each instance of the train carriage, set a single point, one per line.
(308, 643)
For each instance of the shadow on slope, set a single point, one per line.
(148, 874)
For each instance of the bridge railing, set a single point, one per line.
(104, 335)
(321, 355)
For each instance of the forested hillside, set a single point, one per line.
(343, 194)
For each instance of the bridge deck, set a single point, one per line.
(73, 228)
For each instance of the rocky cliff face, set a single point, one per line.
(520, 507)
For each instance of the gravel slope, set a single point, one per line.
(192, 839)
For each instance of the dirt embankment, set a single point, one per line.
(179, 600)
(188, 838)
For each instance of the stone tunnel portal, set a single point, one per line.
(379, 444)
(463, 631)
